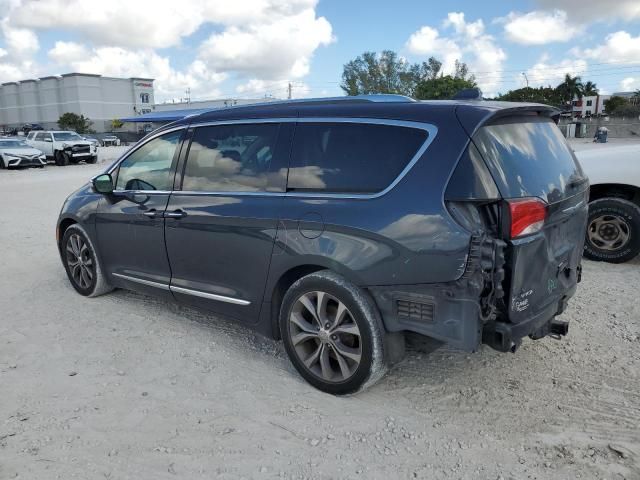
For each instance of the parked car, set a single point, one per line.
(63, 147)
(93, 141)
(28, 127)
(613, 233)
(110, 140)
(340, 224)
(14, 152)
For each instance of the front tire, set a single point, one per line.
(92, 159)
(61, 158)
(613, 231)
(333, 333)
(82, 264)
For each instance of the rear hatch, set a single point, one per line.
(543, 212)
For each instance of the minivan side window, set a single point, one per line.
(149, 167)
(350, 157)
(231, 158)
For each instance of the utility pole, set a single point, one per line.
(525, 77)
(188, 92)
(289, 88)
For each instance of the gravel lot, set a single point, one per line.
(130, 387)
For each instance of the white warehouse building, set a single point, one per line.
(101, 99)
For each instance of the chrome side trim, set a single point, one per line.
(432, 131)
(149, 283)
(210, 296)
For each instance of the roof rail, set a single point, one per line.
(375, 97)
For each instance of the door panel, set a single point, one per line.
(130, 221)
(222, 247)
(232, 191)
(130, 230)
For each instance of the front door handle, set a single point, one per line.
(153, 213)
(175, 214)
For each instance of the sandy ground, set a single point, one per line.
(130, 387)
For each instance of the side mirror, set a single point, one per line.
(47, 139)
(103, 183)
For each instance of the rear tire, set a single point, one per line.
(333, 333)
(82, 264)
(61, 158)
(613, 231)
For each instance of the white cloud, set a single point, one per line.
(539, 28)
(263, 39)
(68, 52)
(595, 10)
(469, 43)
(618, 47)
(544, 73)
(630, 84)
(282, 48)
(427, 41)
(19, 42)
(120, 62)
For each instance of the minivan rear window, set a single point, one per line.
(350, 157)
(528, 157)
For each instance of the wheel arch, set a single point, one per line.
(615, 190)
(62, 227)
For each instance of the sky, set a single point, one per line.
(255, 48)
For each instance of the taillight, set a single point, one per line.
(527, 216)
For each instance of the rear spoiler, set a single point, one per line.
(472, 118)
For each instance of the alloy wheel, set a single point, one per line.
(325, 336)
(80, 261)
(608, 232)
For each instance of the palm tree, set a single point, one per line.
(589, 89)
(571, 87)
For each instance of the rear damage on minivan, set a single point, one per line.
(521, 195)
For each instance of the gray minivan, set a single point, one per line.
(340, 224)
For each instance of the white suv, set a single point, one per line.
(63, 147)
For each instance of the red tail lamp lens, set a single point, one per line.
(527, 216)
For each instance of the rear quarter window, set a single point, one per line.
(350, 157)
(528, 157)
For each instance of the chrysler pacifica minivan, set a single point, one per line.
(338, 225)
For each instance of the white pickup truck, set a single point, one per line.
(63, 147)
(613, 233)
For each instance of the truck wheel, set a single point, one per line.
(92, 159)
(61, 158)
(613, 231)
(333, 333)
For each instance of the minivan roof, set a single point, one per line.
(396, 107)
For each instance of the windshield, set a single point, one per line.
(13, 144)
(529, 157)
(62, 136)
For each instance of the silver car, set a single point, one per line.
(14, 152)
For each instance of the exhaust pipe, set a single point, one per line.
(558, 327)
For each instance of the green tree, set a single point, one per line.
(73, 121)
(635, 99)
(547, 95)
(116, 124)
(389, 73)
(571, 87)
(613, 104)
(442, 88)
(627, 110)
(589, 89)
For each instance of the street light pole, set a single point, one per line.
(525, 77)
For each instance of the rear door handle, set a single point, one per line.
(153, 213)
(175, 214)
